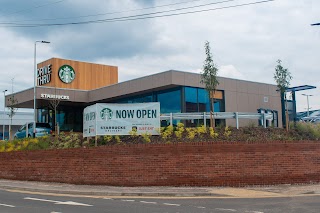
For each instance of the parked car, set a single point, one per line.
(42, 129)
(312, 116)
(316, 120)
(6, 135)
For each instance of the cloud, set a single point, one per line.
(229, 71)
(245, 41)
(17, 61)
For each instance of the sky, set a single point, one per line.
(246, 37)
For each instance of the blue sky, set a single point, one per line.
(246, 41)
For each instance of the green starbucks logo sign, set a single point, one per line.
(66, 74)
(106, 114)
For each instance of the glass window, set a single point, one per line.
(217, 106)
(191, 99)
(203, 98)
(141, 99)
(170, 101)
(136, 99)
(22, 128)
(43, 125)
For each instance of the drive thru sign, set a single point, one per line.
(121, 119)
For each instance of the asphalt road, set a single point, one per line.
(13, 202)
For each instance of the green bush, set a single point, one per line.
(24, 144)
(201, 131)
(309, 129)
(146, 137)
(167, 132)
(227, 131)
(212, 133)
(118, 139)
(70, 140)
(191, 133)
(179, 131)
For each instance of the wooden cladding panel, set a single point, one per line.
(88, 80)
(217, 94)
(88, 76)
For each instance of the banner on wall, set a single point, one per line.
(121, 119)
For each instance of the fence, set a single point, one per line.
(263, 117)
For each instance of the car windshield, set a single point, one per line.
(43, 125)
(316, 113)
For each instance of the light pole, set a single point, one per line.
(307, 102)
(4, 110)
(34, 85)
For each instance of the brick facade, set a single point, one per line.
(185, 164)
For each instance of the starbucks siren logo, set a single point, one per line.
(106, 114)
(66, 74)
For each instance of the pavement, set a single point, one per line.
(114, 191)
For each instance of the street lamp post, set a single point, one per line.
(34, 85)
(307, 102)
(4, 110)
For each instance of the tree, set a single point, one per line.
(209, 79)
(282, 76)
(53, 104)
(12, 111)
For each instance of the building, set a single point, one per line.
(19, 119)
(73, 85)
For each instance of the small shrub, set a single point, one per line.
(107, 138)
(118, 139)
(213, 134)
(146, 137)
(2, 146)
(191, 133)
(32, 144)
(292, 125)
(86, 143)
(45, 142)
(71, 140)
(317, 130)
(201, 130)
(179, 130)
(167, 133)
(309, 129)
(133, 133)
(227, 131)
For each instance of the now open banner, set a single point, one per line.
(121, 119)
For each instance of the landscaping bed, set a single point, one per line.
(169, 135)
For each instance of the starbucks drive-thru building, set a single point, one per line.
(80, 84)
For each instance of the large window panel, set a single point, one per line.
(203, 99)
(217, 106)
(170, 101)
(136, 99)
(191, 99)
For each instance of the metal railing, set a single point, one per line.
(263, 117)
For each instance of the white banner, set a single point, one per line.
(89, 121)
(121, 119)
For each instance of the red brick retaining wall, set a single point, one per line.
(196, 164)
